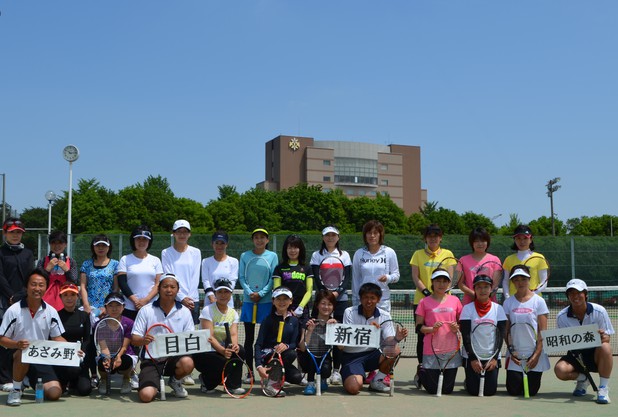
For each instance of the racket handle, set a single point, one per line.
(482, 386)
(392, 387)
(318, 384)
(526, 388)
(440, 382)
(280, 332)
(254, 318)
(162, 388)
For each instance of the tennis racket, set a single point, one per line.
(233, 370)
(454, 268)
(521, 340)
(445, 345)
(494, 270)
(392, 343)
(160, 362)
(582, 368)
(108, 339)
(317, 349)
(486, 343)
(331, 273)
(257, 275)
(538, 265)
(272, 386)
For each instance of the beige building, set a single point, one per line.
(358, 169)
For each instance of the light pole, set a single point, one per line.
(495, 217)
(551, 188)
(50, 196)
(3, 197)
(70, 153)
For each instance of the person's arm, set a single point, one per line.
(72, 274)
(309, 289)
(420, 286)
(83, 291)
(466, 330)
(153, 291)
(393, 265)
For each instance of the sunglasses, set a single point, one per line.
(11, 223)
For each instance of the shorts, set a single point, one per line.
(45, 372)
(263, 310)
(359, 363)
(587, 356)
(148, 375)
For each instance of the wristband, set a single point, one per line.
(426, 292)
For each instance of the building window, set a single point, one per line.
(356, 171)
(384, 183)
(349, 192)
(326, 179)
(383, 167)
(327, 162)
(326, 190)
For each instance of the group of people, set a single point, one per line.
(142, 289)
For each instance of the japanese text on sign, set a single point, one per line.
(356, 335)
(178, 344)
(49, 352)
(571, 338)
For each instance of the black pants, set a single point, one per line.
(249, 341)
(77, 379)
(515, 384)
(211, 364)
(292, 374)
(429, 379)
(308, 366)
(473, 380)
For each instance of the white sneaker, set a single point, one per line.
(8, 387)
(603, 395)
(14, 398)
(187, 380)
(580, 388)
(238, 391)
(177, 389)
(303, 382)
(205, 390)
(378, 385)
(335, 378)
(126, 386)
(134, 381)
(272, 392)
(246, 379)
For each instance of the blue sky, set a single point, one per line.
(501, 96)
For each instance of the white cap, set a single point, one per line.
(169, 275)
(100, 242)
(440, 273)
(282, 291)
(330, 229)
(578, 284)
(181, 223)
(519, 272)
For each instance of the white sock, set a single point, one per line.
(603, 382)
(17, 385)
(581, 377)
(379, 376)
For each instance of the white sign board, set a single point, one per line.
(49, 352)
(357, 335)
(571, 338)
(179, 344)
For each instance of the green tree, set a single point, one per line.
(196, 214)
(259, 208)
(473, 220)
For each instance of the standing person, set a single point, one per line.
(581, 312)
(375, 262)
(294, 274)
(481, 310)
(433, 312)
(213, 318)
(526, 307)
(267, 338)
(31, 319)
(168, 311)
(423, 263)
(16, 262)
(356, 361)
(139, 273)
(59, 266)
(76, 325)
(479, 240)
(126, 359)
(184, 261)
(97, 280)
(256, 269)
(330, 247)
(219, 266)
(524, 245)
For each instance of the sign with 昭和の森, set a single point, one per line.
(571, 338)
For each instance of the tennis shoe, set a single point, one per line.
(303, 382)
(238, 391)
(187, 380)
(126, 386)
(378, 385)
(94, 382)
(370, 377)
(335, 378)
(271, 391)
(103, 386)
(134, 381)
(8, 387)
(14, 398)
(205, 389)
(247, 379)
(310, 388)
(603, 395)
(580, 388)
(177, 389)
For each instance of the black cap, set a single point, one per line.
(482, 278)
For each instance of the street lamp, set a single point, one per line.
(50, 196)
(3, 197)
(551, 188)
(495, 217)
(70, 153)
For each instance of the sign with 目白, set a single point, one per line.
(178, 344)
(571, 338)
(49, 352)
(357, 335)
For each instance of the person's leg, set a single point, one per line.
(514, 382)
(51, 385)
(292, 374)
(449, 380)
(534, 382)
(248, 345)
